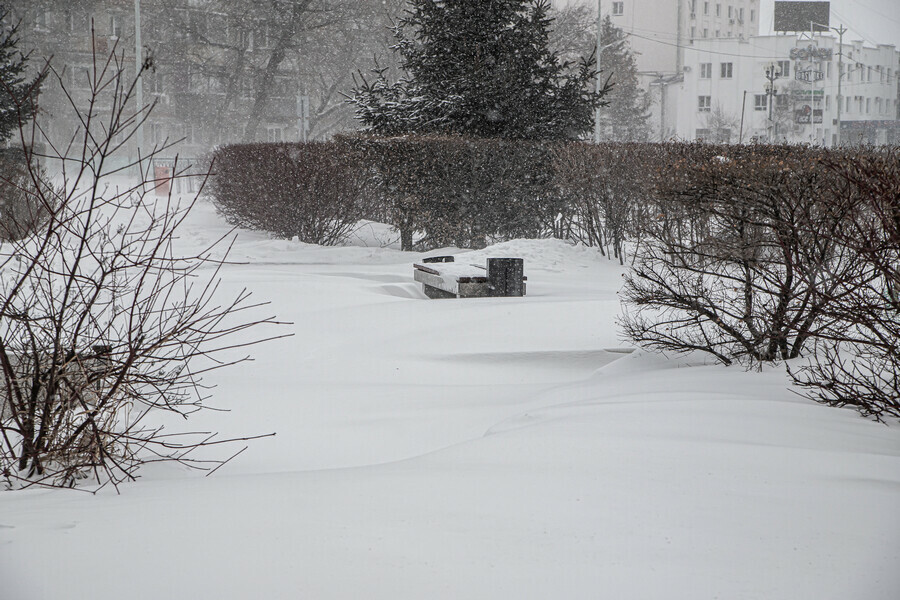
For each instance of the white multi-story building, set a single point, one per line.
(660, 33)
(793, 88)
(659, 30)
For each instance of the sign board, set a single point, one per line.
(806, 115)
(812, 53)
(809, 75)
(802, 16)
(808, 95)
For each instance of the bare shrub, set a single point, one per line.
(604, 191)
(104, 327)
(742, 261)
(856, 362)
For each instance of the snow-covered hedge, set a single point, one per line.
(312, 191)
(459, 191)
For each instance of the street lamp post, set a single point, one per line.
(772, 73)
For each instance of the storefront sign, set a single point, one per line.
(806, 115)
(811, 53)
(808, 95)
(809, 75)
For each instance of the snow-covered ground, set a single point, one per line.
(484, 448)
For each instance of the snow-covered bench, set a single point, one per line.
(442, 277)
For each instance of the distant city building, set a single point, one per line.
(661, 33)
(724, 95)
(223, 71)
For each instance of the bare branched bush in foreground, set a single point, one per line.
(857, 361)
(104, 327)
(742, 262)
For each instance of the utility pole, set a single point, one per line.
(597, 89)
(840, 99)
(743, 106)
(772, 73)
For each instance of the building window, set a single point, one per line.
(156, 134)
(702, 134)
(706, 8)
(618, 8)
(245, 39)
(261, 36)
(741, 15)
(115, 26)
(705, 32)
(727, 70)
(718, 33)
(705, 70)
(730, 12)
(782, 102)
(868, 105)
(218, 29)
(693, 31)
(760, 102)
(784, 68)
(42, 20)
(198, 24)
(752, 15)
(274, 134)
(704, 103)
(718, 10)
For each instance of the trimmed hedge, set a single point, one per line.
(312, 191)
(460, 192)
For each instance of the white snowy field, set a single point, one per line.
(487, 448)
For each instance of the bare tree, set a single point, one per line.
(103, 325)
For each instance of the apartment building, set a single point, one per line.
(797, 88)
(223, 71)
(661, 34)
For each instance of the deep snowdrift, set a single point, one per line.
(484, 448)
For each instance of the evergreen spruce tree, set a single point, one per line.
(482, 68)
(626, 117)
(18, 95)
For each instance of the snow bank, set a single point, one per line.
(482, 448)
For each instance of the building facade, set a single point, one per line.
(661, 34)
(788, 88)
(224, 71)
